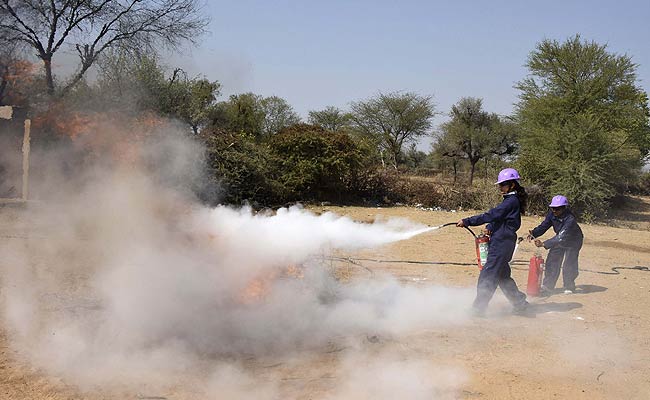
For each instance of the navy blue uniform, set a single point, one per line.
(503, 221)
(565, 245)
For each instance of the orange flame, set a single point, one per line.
(17, 76)
(260, 288)
(110, 134)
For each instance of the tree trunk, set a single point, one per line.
(471, 171)
(49, 79)
(455, 164)
(75, 79)
(395, 155)
(3, 87)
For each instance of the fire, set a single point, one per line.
(101, 133)
(16, 77)
(260, 288)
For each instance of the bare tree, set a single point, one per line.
(92, 26)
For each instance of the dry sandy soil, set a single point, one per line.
(590, 345)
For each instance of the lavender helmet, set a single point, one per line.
(508, 174)
(559, 201)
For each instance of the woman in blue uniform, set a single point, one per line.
(503, 222)
(564, 247)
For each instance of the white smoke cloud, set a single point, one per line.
(127, 279)
(386, 376)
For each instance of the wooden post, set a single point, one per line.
(28, 125)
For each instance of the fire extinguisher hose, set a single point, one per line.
(454, 223)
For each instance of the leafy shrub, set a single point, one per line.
(245, 170)
(315, 164)
(574, 159)
(376, 185)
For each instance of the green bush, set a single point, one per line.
(315, 164)
(574, 159)
(584, 123)
(245, 170)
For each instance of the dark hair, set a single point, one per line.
(522, 196)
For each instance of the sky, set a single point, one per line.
(330, 53)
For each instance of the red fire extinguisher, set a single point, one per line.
(535, 272)
(482, 244)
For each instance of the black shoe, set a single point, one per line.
(545, 292)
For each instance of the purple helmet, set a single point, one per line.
(559, 201)
(508, 174)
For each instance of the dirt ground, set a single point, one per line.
(590, 345)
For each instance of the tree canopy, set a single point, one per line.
(394, 119)
(474, 134)
(331, 119)
(278, 114)
(584, 121)
(255, 115)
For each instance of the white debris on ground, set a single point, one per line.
(419, 206)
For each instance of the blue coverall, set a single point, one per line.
(565, 245)
(503, 221)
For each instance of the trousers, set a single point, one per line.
(567, 259)
(496, 273)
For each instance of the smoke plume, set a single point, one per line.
(123, 278)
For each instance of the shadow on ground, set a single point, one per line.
(534, 309)
(580, 289)
(589, 289)
(541, 308)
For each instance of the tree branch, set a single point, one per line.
(34, 37)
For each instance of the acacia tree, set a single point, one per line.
(394, 119)
(93, 26)
(278, 114)
(255, 115)
(585, 121)
(192, 100)
(474, 134)
(241, 113)
(331, 119)
(443, 148)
